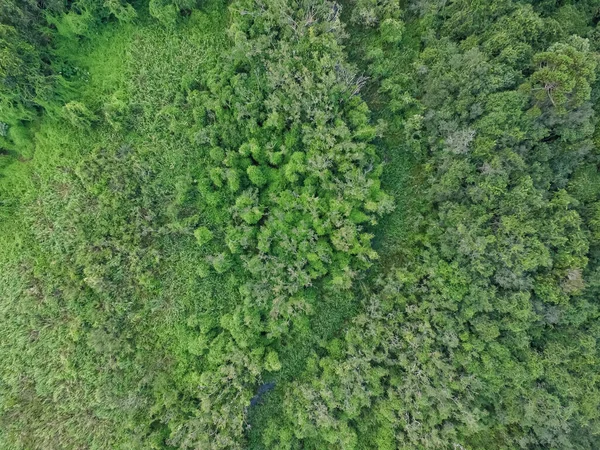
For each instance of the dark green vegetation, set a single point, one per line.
(299, 225)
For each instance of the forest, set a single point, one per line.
(299, 224)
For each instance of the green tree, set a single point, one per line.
(564, 74)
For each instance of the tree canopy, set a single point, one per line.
(299, 224)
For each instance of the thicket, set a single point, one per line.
(484, 333)
(299, 224)
(293, 180)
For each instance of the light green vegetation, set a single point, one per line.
(100, 268)
(299, 225)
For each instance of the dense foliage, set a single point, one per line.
(485, 335)
(299, 224)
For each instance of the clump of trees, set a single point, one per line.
(294, 177)
(292, 163)
(484, 335)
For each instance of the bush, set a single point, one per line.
(203, 235)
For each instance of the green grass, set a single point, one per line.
(102, 304)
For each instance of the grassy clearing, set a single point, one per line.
(97, 240)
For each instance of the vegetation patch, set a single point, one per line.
(299, 224)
